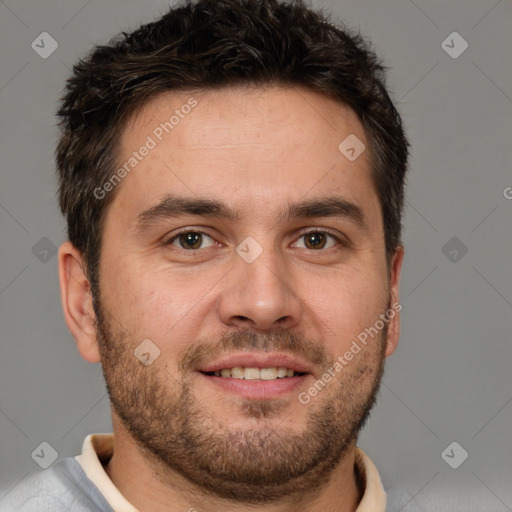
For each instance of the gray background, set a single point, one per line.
(450, 379)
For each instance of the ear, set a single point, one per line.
(76, 297)
(394, 323)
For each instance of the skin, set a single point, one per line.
(256, 150)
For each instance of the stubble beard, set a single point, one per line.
(176, 433)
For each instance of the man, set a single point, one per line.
(232, 178)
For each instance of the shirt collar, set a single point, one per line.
(98, 449)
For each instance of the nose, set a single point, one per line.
(260, 295)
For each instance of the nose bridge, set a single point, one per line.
(266, 277)
(259, 291)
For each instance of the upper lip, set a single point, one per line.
(258, 360)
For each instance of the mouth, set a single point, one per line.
(254, 373)
(257, 375)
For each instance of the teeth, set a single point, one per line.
(281, 373)
(237, 372)
(250, 373)
(268, 373)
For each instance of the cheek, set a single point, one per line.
(156, 303)
(133, 298)
(345, 305)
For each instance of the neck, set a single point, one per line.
(149, 486)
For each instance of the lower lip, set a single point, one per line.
(257, 389)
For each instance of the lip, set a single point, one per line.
(257, 389)
(258, 360)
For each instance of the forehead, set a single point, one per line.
(251, 147)
(242, 115)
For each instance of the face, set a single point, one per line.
(249, 251)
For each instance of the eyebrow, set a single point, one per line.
(172, 206)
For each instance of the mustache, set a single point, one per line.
(295, 343)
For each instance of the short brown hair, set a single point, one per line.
(211, 44)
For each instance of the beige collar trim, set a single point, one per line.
(96, 447)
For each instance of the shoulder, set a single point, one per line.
(64, 487)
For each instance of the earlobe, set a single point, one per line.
(394, 323)
(76, 300)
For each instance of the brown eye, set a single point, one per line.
(191, 240)
(316, 240)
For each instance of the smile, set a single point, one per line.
(253, 373)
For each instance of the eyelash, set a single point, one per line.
(303, 234)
